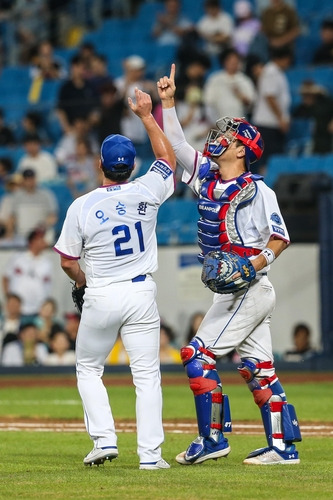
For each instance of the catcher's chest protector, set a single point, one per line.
(217, 228)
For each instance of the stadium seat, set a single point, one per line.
(299, 139)
(327, 164)
(177, 222)
(278, 164)
(305, 47)
(64, 198)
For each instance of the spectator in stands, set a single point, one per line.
(170, 25)
(28, 274)
(253, 68)
(71, 326)
(10, 320)
(6, 168)
(45, 64)
(26, 350)
(65, 151)
(7, 34)
(302, 349)
(111, 109)
(247, 26)
(271, 111)
(169, 352)
(35, 158)
(192, 72)
(134, 75)
(86, 54)
(11, 184)
(317, 105)
(61, 354)
(32, 125)
(7, 137)
(190, 106)
(99, 76)
(81, 171)
(228, 92)
(31, 24)
(194, 323)
(46, 320)
(215, 28)
(280, 24)
(27, 208)
(77, 97)
(324, 53)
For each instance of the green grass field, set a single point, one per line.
(49, 464)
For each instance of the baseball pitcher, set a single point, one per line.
(114, 227)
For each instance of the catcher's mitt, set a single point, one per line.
(219, 268)
(78, 296)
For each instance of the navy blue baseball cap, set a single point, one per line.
(117, 153)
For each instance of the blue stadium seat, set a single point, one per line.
(299, 139)
(177, 222)
(326, 164)
(278, 164)
(305, 47)
(147, 12)
(64, 198)
(322, 75)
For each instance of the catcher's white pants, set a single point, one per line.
(131, 309)
(241, 321)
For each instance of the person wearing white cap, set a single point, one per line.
(247, 26)
(114, 225)
(132, 78)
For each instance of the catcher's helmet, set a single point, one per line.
(117, 153)
(229, 128)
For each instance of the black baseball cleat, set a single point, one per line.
(97, 456)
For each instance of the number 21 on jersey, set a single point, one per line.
(125, 236)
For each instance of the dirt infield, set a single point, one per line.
(171, 426)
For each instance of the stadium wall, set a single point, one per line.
(295, 276)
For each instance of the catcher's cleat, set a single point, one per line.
(97, 456)
(273, 456)
(160, 464)
(202, 449)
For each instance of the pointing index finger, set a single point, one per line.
(172, 72)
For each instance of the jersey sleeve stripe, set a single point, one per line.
(65, 255)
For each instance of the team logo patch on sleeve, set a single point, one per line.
(161, 168)
(276, 218)
(278, 230)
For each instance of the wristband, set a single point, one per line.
(269, 255)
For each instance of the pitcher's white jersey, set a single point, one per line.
(114, 226)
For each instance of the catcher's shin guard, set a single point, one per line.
(212, 407)
(279, 417)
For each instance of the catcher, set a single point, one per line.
(240, 233)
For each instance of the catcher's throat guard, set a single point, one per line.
(219, 269)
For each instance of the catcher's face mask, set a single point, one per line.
(229, 130)
(216, 143)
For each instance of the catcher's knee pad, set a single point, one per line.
(212, 407)
(279, 417)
